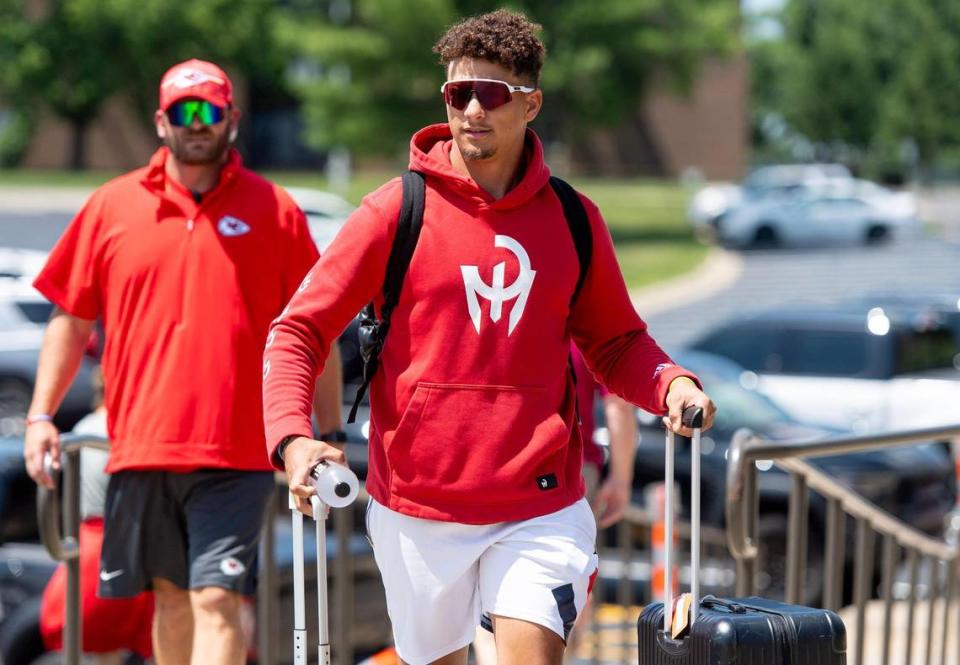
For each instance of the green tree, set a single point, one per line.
(60, 60)
(368, 80)
(374, 80)
(73, 55)
(861, 79)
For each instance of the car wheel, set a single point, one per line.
(15, 396)
(877, 233)
(766, 236)
(772, 561)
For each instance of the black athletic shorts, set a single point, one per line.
(197, 529)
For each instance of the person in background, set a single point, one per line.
(608, 495)
(186, 261)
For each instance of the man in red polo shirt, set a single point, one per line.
(186, 261)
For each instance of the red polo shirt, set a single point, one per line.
(186, 291)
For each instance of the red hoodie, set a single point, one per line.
(473, 409)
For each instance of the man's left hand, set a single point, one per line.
(683, 394)
(611, 500)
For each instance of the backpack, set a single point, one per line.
(373, 330)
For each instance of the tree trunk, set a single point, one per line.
(78, 153)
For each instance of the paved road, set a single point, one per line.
(33, 230)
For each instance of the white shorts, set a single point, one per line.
(443, 579)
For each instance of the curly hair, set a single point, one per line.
(504, 37)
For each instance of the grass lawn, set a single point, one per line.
(646, 217)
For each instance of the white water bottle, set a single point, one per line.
(337, 486)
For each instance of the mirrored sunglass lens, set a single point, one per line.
(491, 95)
(182, 114)
(458, 94)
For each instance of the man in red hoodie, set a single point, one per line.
(186, 261)
(477, 513)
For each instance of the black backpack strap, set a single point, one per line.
(579, 226)
(409, 224)
(373, 330)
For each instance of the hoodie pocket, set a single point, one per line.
(459, 442)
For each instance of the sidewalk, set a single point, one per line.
(27, 199)
(718, 272)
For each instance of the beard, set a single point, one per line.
(473, 153)
(187, 150)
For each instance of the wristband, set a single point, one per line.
(682, 378)
(336, 436)
(38, 418)
(283, 444)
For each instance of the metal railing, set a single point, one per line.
(65, 545)
(843, 504)
(632, 536)
(59, 524)
(630, 545)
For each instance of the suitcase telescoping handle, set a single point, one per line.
(340, 492)
(692, 418)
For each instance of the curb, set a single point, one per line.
(716, 273)
(31, 199)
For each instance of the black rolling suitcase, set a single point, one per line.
(742, 631)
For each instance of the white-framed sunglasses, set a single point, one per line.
(491, 93)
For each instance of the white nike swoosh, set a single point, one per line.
(106, 577)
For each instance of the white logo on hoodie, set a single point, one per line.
(497, 293)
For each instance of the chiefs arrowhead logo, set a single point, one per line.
(231, 226)
(231, 566)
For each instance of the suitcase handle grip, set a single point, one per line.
(692, 417)
(713, 601)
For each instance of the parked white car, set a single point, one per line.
(828, 213)
(712, 201)
(326, 213)
(23, 318)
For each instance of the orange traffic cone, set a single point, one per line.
(656, 498)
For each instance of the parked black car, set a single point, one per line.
(854, 340)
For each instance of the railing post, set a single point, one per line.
(932, 592)
(73, 629)
(625, 584)
(863, 571)
(948, 594)
(797, 539)
(747, 566)
(913, 564)
(834, 556)
(889, 566)
(267, 588)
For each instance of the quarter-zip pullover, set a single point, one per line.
(186, 291)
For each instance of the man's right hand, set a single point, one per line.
(299, 458)
(41, 438)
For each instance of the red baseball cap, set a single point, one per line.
(195, 79)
